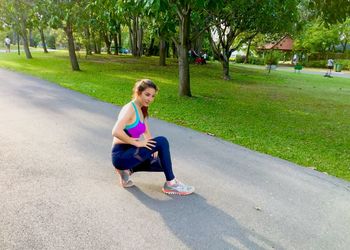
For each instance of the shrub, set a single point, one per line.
(51, 41)
(272, 58)
(345, 63)
(316, 64)
(256, 60)
(325, 55)
(323, 64)
(240, 59)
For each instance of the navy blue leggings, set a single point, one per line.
(126, 156)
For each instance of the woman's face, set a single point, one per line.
(147, 96)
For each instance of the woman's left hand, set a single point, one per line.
(155, 154)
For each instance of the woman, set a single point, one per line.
(135, 150)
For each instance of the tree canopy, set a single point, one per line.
(153, 26)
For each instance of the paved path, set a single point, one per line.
(59, 190)
(312, 71)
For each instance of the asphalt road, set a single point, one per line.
(59, 189)
(311, 71)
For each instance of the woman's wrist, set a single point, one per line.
(135, 143)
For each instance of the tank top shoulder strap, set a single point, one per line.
(136, 111)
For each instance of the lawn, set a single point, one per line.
(298, 117)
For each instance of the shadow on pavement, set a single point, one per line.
(200, 225)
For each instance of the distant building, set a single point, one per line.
(285, 44)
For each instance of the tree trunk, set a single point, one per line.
(173, 46)
(43, 40)
(71, 48)
(120, 39)
(87, 41)
(223, 53)
(344, 45)
(198, 43)
(94, 42)
(24, 36)
(18, 49)
(162, 52)
(226, 69)
(116, 46)
(167, 51)
(98, 43)
(139, 41)
(107, 42)
(117, 42)
(184, 67)
(31, 40)
(246, 60)
(131, 39)
(150, 48)
(184, 73)
(134, 37)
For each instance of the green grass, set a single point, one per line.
(298, 117)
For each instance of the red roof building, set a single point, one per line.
(284, 44)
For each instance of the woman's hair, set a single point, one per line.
(141, 86)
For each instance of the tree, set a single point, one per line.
(330, 11)
(134, 18)
(240, 21)
(65, 14)
(316, 37)
(41, 19)
(162, 26)
(344, 33)
(183, 11)
(17, 14)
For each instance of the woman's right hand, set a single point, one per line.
(147, 143)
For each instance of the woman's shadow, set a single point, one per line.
(200, 225)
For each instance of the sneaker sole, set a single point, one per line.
(127, 185)
(177, 193)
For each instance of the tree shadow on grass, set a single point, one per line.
(200, 225)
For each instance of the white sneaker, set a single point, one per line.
(178, 188)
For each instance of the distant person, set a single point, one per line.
(205, 56)
(295, 59)
(7, 44)
(193, 53)
(330, 66)
(134, 149)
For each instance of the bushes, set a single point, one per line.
(251, 60)
(240, 59)
(256, 60)
(345, 63)
(51, 41)
(324, 56)
(323, 64)
(316, 64)
(272, 58)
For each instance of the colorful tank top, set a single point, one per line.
(136, 129)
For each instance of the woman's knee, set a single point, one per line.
(162, 141)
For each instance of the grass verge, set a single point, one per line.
(298, 117)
